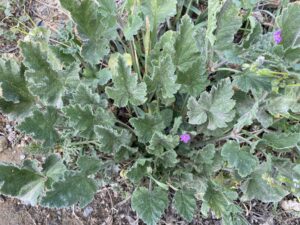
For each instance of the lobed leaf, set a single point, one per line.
(126, 88)
(96, 20)
(45, 75)
(185, 45)
(149, 204)
(138, 170)
(42, 126)
(112, 140)
(160, 143)
(84, 96)
(158, 11)
(289, 24)
(215, 108)
(146, 126)
(163, 79)
(15, 100)
(282, 142)
(185, 203)
(261, 186)
(75, 188)
(239, 158)
(228, 23)
(84, 119)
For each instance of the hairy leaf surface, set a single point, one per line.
(15, 100)
(83, 119)
(160, 143)
(42, 126)
(112, 140)
(149, 204)
(239, 158)
(46, 77)
(261, 186)
(282, 142)
(146, 126)
(185, 203)
(96, 20)
(215, 107)
(289, 22)
(75, 188)
(158, 11)
(126, 88)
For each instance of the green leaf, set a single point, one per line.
(216, 200)
(163, 79)
(133, 25)
(239, 158)
(249, 81)
(15, 100)
(194, 80)
(158, 11)
(168, 159)
(215, 107)
(282, 142)
(229, 22)
(289, 24)
(206, 154)
(126, 87)
(84, 96)
(164, 47)
(291, 55)
(261, 186)
(185, 45)
(54, 168)
(255, 31)
(83, 119)
(185, 203)
(89, 165)
(281, 104)
(96, 20)
(75, 188)
(160, 143)
(146, 126)
(264, 117)
(42, 126)
(46, 77)
(22, 183)
(112, 140)
(176, 125)
(247, 118)
(149, 205)
(124, 153)
(214, 7)
(138, 170)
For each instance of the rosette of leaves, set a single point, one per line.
(120, 93)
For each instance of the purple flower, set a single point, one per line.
(277, 36)
(185, 138)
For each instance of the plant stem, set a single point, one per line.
(135, 59)
(126, 126)
(184, 104)
(228, 69)
(85, 143)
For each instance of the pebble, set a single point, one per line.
(87, 211)
(22, 156)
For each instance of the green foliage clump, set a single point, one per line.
(194, 107)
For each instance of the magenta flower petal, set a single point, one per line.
(277, 36)
(185, 138)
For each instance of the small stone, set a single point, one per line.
(22, 156)
(87, 211)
